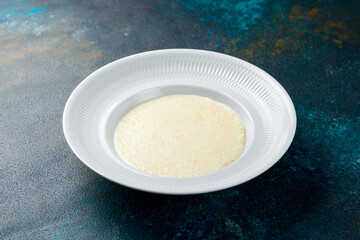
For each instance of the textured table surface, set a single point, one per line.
(48, 47)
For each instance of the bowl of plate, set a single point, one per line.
(101, 100)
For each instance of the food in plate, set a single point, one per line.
(180, 136)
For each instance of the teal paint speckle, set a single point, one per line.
(211, 31)
(18, 10)
(233, 16)
(34, 11)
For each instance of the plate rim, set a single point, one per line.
(104, 68)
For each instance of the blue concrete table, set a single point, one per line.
(48, 47)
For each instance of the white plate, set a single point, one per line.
(99, 102)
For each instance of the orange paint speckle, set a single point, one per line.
(313, 12)
(25, 51)
(87, 44)
(296, 13)
(304, 24)
(18, 79)
(254, 49)
(338, 41)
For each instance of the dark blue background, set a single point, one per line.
(311, 47)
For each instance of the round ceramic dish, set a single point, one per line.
(100, 101)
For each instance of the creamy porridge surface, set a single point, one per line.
(180, 136)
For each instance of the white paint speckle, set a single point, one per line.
(125, 30)
(40, 30)
(78, 34)
(24, 27)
